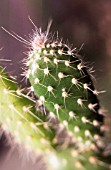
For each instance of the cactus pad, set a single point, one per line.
(63, 84)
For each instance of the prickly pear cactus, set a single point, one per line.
(63, 84)
(30, 129)
(60, 79)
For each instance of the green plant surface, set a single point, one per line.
(60, 79)
(19, 117)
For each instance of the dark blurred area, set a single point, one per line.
(80, 22)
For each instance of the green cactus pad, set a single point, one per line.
(19, 117)
(60, 79)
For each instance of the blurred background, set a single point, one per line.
(80, 22)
